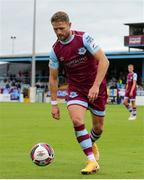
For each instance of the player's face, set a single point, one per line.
(62, 30)
(130, 68)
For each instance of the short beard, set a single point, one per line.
(66, 38)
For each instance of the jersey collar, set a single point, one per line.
(67, 42)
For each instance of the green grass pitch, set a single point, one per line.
(23, 125)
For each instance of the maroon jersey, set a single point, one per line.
(130, 78)
(79, 62)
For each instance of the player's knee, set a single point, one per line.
(77, 121)
(125, 103)
(133, 104)
(98, 129)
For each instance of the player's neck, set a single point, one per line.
(68, 39)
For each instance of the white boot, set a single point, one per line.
(132, 117)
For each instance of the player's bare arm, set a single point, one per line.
(126, 86)
(101, 72)
(133, 87)
(53, 82)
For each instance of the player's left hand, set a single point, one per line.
(93, 93)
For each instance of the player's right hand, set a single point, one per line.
(55, 112)
(93, 93)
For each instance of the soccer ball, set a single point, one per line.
(42, 154)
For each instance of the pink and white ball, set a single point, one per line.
(42, 154)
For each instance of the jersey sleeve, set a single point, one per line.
(90, 43)
(53, 61)
(135, 76)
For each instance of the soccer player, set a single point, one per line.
(85, 66)
(130, 92)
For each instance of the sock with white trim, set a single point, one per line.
(95, 136)
(85, 141)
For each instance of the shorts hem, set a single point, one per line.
(78, 105)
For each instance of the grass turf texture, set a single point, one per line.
(23, 125)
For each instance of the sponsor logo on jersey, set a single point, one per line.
(75, 62)
(73, 94)
(89, 39)
(81, 51)
(94, 46)
(91, 42)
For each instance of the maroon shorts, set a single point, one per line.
(79, 97)
(133, 97)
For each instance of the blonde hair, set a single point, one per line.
(60, 16)
(131, 65)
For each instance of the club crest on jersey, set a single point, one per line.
(73, 94)
(81, 51)
(61, 58)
